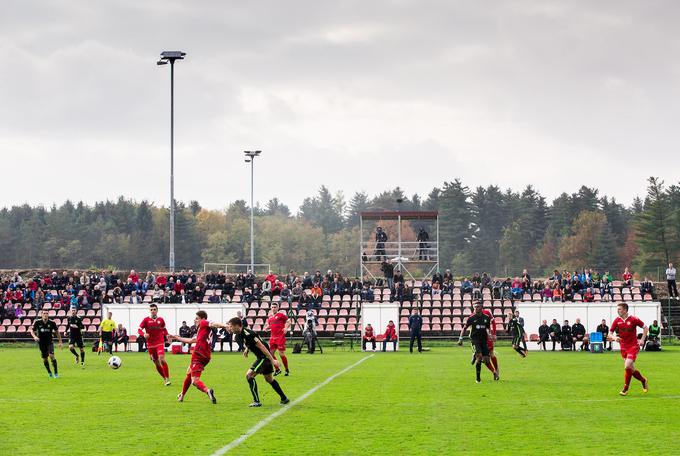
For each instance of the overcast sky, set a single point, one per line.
(354, 95)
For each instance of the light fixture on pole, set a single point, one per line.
(170, 57)
(251, 154)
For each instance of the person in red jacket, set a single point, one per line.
(369, 336)
(390, 336)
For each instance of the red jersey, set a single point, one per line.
(368, 333)
(202, 347)
(277, 323)
(155, 329)
(390, 333)
(627, 330)
(488, 313)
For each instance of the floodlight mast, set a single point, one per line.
(170, 57)
(251, 154)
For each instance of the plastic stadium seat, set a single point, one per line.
(32, 314)
(47, 306)
(447, 327)
(261, 313)
(52, 313)
(323, 312)
(11, 329)
(86, 321)
(344, 312)
(446, 311)
(91, 313)
(436, 327)
(331, 321)
(333, 312)
(351, 328)
(352, 320)
(436, 311)
(61, 313)
(22, 329)
(16, 322)
(435, 320)
(96, 321)
(533, 338)
(2, 329)
(425, 312)
(27, 306)
(457, 311)
(426, 327)
(251, 313)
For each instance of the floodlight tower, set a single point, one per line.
(251, 154)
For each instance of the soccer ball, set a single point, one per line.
(115, 362)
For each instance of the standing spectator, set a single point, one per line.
(415, 323)
(390, 336)
(369, 336)
(388, 269)
(670, 278)
(603, 329)
(543, 334)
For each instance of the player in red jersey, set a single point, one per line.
(153, 330)
(278, 324)
(626, 327)
(201, 355)
(492, 353)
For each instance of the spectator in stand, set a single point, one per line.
(397, 293)
(486, 281)
(516, 289)
(576, 284)
(437, 278)
(670, 278)
(547, 294)
(380, 239)
(134, 298)
(588, 295)
(555, 332)
(18, 311)
(448, 275)
(543, 334)
(316, 296)
(526, 281)
(597, 279)
(476, 280)
(446, 287)
(647, 287)
(627, 277)
(606, 291)
(557, 277)
(297, 295)
(38, 299)
(388, 271)
(266, 288)
(185, 331)
(423, 238)
(285, 294)
(603, 329)
(466, 286)
(369, 336)
(390, 336)
(133, 277)
(568, 294)
(578, 332)
(398, 277)
(367, 294)
(337, 288)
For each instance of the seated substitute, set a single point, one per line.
(565, 335)
(578, 333)
(555, 332)
(369, 336)
(390, 336)
(543, 334)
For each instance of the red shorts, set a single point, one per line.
(277, 344)
(630, 352)
(157, 351)
(197, 365)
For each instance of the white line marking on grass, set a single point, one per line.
(283, 410)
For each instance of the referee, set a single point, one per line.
(480, 325)
(106, 329)
(45, 328)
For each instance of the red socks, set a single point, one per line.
(489, 366)
(628, 373)
(166, 369)
(200, 385)
(160, 370)
(284, 360)
(494, 361)
(187, 384)
(638, 375)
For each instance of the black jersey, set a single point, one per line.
(250, 339)
(479, 326)
(44, 330)
(75, 325)
(515, 326)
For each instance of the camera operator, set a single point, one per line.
(422, 239)
(309, 333)
(380, 239)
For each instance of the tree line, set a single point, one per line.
(481, 229)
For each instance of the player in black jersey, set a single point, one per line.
(516, 328)
(264, 364)
(479, 325)
(42, 331)
(75, 336)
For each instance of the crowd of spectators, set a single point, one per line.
(82, 289)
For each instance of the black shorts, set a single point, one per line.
(262, 366)
(46, 349)
(75, 339)
(481, 346)
(107, 336)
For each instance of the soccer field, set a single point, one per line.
(390, 403)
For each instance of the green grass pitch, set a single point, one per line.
(392, 403)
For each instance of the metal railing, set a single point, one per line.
(235, 268)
